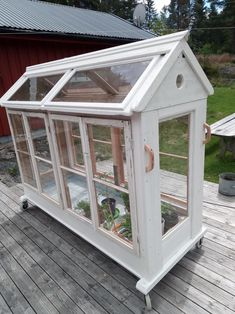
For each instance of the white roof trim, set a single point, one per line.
(134, 49)
(162, 50)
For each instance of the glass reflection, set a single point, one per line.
(108, 84)
(39, 137)
(47, 179)
(77, 193)
(35, 88)
(174, 150)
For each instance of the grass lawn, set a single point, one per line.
(220, 105)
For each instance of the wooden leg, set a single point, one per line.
(222, 147)
(148, 302)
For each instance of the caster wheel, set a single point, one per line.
(148, 302)
(24, 205)
(199, 243)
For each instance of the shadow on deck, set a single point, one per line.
(45, 268)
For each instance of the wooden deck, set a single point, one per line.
(45, 268)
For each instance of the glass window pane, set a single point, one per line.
(36, 88)
(76, 144)
(114, 211)
(69, 144)
(39, 137)
(77, 193)
(108, 84)
(174, 147)
(47, 179)
(27, 169)
(107, 150)
(19, 132)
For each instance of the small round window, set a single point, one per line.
(179, 80)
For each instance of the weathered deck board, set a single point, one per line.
(4, 308)
(52, 290)
(66, 274)
(225, 126)
(12, 295)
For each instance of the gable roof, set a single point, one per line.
(161, 53)
(38, 16)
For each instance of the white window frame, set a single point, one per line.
(134, 247)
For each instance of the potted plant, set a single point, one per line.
(108, 214)
(111, 202)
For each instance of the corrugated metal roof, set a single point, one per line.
(48, 17)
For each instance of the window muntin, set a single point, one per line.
(77, 193)
(35, 88)
(174, 152)
(109, 84)
(71, 163)
(47, 179)
(42, 155)
(108, 157)
(27, 169)
(39, 137)
(107, 147)
(69, 144)
(22, 149)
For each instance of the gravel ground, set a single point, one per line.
(9, 172)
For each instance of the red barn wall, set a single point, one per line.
(19, 51)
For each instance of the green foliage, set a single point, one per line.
(109, 217)
(85, 206)
(166, 208)
(173, 139)
(179, 14)
(126, 224)
(158, 25)
(150, 12)
(126, 201)
(13, 171)
(220, 105)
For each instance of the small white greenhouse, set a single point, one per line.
(111, 144)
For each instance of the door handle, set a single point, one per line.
(208, 133)
(150, 153)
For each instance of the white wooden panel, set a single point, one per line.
(176, 239)
(169, 95)
(197, 166)
(148, 192)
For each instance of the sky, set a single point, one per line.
(159, 4)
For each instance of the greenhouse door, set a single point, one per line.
(35, 153)
(94, 160)
(174, 136)
(71, 165)
(110, 164)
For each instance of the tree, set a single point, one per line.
(126, 9)
(150, 13)
(228, 18)
(179, 12)
(121, 8)
(158, 26)
(198, 22)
